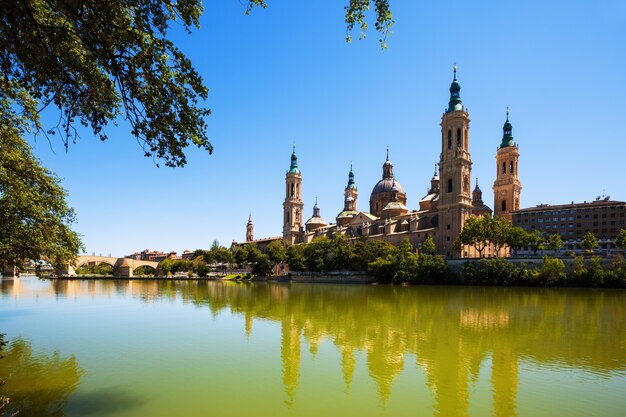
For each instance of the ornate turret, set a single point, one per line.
(455, 95)
(249, 229)
(294, 162)
(387, 167)
(434, 181)
(479, 207)
(507, 132)
(351, 193)
(477, 194)
(351, 183)
(316, 221)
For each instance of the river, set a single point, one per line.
(207, 348)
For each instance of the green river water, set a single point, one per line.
(187, 348)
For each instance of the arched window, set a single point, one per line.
(504, 167)
(503, 205)
(458, 138)
(293, 189)
(465, 134)
(297, 215)
(449, 139)
(287, 217)
(511, 167)
(466, 184)
(449, 185)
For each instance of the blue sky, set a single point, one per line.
(285, 75)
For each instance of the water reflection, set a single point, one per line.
(36, 384)
(451, 333)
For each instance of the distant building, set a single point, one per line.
(602, 217)
(151, 255)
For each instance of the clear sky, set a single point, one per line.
(285, 75)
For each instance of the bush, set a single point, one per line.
(495, 271)
(431, 269)
(383, 269)
(551, 272)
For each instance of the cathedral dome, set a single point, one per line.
(385, 185)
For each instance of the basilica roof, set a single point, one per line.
(385, 185)
(395, 205)
(316, 220)
(347, 213)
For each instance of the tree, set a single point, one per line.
(429, 247)
(475, 233)
(95, 61)
(535, 241)
(355, 15)
(295, 257)
(620, 240)
(276, 251)
(517, 238)
(499, 233)
(35, 219)
(554, 243)
(590, 242)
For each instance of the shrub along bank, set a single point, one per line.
(402, 264)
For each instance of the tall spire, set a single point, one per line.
(316, 209)
(507, 132)
(387, 167)
(455, 95)
(351, 183)
(294, 162)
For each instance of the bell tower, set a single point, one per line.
(292, 207)
(455, 166)
(249, 230)
(507, 187)
(351, 193)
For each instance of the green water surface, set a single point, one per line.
(187, 348)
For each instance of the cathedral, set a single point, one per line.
(442, 212)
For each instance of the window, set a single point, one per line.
(449, 139)
(450, 185)
(458, 138)
(511, 167)
(504, 167)
(293, 188)
(503, 205)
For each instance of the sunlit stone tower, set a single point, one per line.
(350, 196)
(507, 187)
(249, 230)
(292, 207)
(455, 165)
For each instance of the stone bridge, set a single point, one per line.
(123, 267)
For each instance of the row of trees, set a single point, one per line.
(381, 259)
(498, 233)
(588, 272)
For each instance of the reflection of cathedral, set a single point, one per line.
(442, 211)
